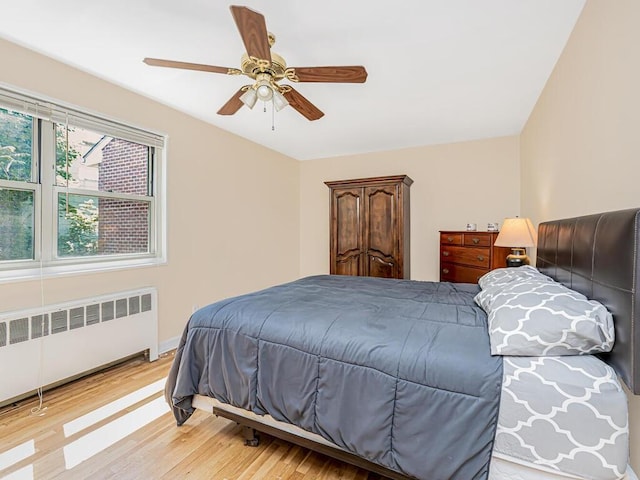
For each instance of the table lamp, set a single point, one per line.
(517, 234)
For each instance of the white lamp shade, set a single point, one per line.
(264, 92)
(516, 232)
(249, 98)
(279, 101)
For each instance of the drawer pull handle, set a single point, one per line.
(449, 239)
(445, 254)
(480, 257)
(476, 241)
(445, 270)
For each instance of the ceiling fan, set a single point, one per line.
(267, 69)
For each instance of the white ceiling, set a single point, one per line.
(439, 70)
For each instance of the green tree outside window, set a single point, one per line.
(77, 220)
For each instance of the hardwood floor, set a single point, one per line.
(88, 429)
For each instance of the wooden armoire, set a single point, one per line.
(369, 227)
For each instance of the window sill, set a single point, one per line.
(46, 272)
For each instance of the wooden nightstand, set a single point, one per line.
(466, 256)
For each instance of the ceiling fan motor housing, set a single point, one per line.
(252, 67)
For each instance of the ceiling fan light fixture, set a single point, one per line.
(249, 98)
(264, 92)
(279, 101)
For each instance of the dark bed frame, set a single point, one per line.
(596, 255)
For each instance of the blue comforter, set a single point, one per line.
(396, 371)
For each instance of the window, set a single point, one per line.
(17, 188)
(75, 189)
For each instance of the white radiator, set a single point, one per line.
(43, 346)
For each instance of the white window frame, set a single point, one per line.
(46, 263)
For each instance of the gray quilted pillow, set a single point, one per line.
(537, 318)
(503, 276)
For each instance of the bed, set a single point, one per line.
(398, 376)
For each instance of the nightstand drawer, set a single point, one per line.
(466, 255)
(451, 238)
(477, 257)
(477, 240)
(450, 272)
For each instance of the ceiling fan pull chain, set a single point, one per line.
(273, 116)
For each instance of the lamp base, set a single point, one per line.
(517, 258)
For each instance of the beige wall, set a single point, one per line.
(454, 184)
(581, 145)
(233, 218)
(580, 149)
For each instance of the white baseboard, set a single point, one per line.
(169, 345)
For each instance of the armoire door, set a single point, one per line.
(347, 252)
(380, 215)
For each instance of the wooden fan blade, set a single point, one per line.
(302, 105)
(159, 62)
(253, 30)
(233, 105)
(352, 74)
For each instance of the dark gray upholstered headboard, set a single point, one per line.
(597, 255)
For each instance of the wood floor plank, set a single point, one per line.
(205, 447)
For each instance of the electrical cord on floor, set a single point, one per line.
(39, 410)
(44, 326)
